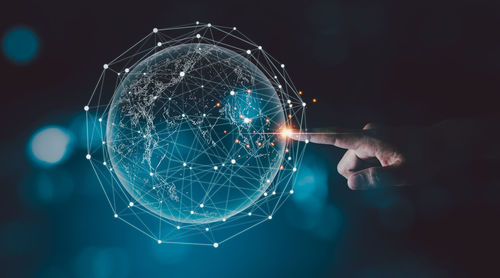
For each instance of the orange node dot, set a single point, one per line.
(248, 146)
(236, 141)
(239, 155)
(218, 104)
(289, 116)
(267, 120)
(272, 143)
(249, 91)
(287, 150)
(225, 131)
(315, 100)
(300, 92)
(259, 144)
(281, 167)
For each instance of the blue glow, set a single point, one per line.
(311, 187)
(50, 145)
(20, 45)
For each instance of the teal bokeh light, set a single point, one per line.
(50, 145)
(20, 45)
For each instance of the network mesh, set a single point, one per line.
(186, 133)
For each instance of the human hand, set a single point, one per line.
(384, 156)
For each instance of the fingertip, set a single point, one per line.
(357, 182)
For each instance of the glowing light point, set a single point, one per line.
(88, 156)
(207, 229)
(223, 219)
(249, 214)
(216, 245)
(178, 227)
(202, 205)
(100, 119)
(307, 141)
(215, 168)
(274, 192)
(294, 169)
(151, 174)
(265, 194)
(233, 161)
(234, 28)
(246, 120)
(288, 101)
(197, 22)
(105, 66)
(184, 164)
(270, 217)
(248, 51)
(232, 93)
(192, 212)
(159, 44)
(198, 36)
(282, 65)
(209, 25)
(131, 204)
(104, 163)
(159, 241)
(268, 181)
(116, 215)
(86, 108)
(127, 70)
(260, 47)
(155, 30)
(291, 191)
(303, 104)
(182, 73)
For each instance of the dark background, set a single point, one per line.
(396, 62)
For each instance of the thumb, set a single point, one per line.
(376, 177)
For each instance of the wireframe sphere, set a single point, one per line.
(191, 133)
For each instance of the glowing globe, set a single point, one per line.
(191, 133)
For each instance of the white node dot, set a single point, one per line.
(178, 227)
(270, 217)
(116, 215)
(260, 47)
(282, 65)
(88, 156)
(223, 219)
(246, 120)
(159, 44)
(118, 74)
(303, 104)
(183, 115)
(279, 86)
(294, 169)
(159, 241)
(155, 30)
(209, 25)
(105, 66)
(197, 22)
(192, 212)
(184, 164)
(265, 193)
(103, 142)
(100, 119)
(233, 161)
(198, 36)
(202, 205)
(131, 204)
(288, 101)
(151, 174)
(232, 93)
(206, 229)
(234, 28)
(248, 51)
(111, 169)
(268, 181)
(289, 158)
(249, 214)
(86, 108)
(307, 141)
(190, 168)
(204, 115)
(182, 73)
(127, 70)
(223, 164)
(216, 245)
(202, 86)
(104, 163)
(291, 191)
(215, 168)
(274, 192)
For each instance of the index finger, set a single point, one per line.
(345, 140)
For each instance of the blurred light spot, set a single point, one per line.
(311, 186)
(50, 145)
(20, 45)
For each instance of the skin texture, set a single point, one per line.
(381, 156)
